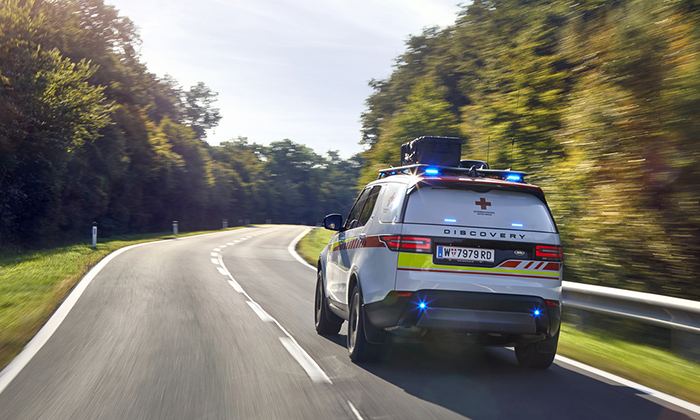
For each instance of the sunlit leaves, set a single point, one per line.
(599, 100)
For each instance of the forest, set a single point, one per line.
(599, 101)
(87, 135)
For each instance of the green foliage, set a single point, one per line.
(599, 101)
(87, 134)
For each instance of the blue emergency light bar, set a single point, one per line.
(474, 172)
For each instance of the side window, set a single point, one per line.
(351, 222)
(369, 205)
(391, 200)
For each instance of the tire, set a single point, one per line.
(530, 356)
(326, 322)
(359, 349)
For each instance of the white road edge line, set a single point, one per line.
(307, 363)
(292, 249)
(641, 388)
(354, 411)
(630, 384)
(32, 348)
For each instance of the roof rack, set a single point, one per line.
(473, 171)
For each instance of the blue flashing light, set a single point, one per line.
(536, 313)
(450, 220)
(517, 225)
(422, 305)
(514, 178)
(432, 171)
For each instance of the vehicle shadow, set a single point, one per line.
(487, 383)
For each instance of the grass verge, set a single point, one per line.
(647, 365)
(33, 284)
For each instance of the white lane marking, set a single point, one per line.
(626, 382)
(217, 249)
(307, 363)
(355, 412)
(215, 261)
(237, 287)
(215, 254)
(32, 348)
(221, 247)
(314, 371)
(229, 243)
(222, 271)
(292, 249)
(260, 312)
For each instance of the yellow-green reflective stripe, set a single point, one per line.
(425, 261)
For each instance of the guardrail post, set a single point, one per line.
(175, 232)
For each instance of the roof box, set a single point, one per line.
(434, 151)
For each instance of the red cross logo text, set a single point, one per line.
(483, 203)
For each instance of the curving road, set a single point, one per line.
(220, 326)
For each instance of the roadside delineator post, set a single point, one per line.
(174, 227)
(94, 234)
(225, 224)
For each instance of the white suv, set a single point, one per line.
(444, 252)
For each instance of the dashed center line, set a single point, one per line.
(312, 369)
(260, 312)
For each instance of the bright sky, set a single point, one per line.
(284, 69)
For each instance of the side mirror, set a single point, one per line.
(333, 222)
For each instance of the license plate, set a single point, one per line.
(456, 253)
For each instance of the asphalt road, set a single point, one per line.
(221, 327)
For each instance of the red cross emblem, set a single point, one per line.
(483, 203)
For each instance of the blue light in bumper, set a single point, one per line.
(518, 225)
(450, 220)
(422, 305)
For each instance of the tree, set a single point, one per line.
(200, 115)
(48, 111)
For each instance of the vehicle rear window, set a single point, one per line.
(493, 209)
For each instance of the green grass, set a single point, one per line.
(33, 284)
(656, 368)
(312, 244)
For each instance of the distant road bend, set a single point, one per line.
(220, 326)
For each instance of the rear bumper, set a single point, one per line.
(513, 316)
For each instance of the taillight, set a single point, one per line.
(548, 252)
(391, 242)
(407, 243)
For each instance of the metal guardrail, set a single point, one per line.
(669, 312)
